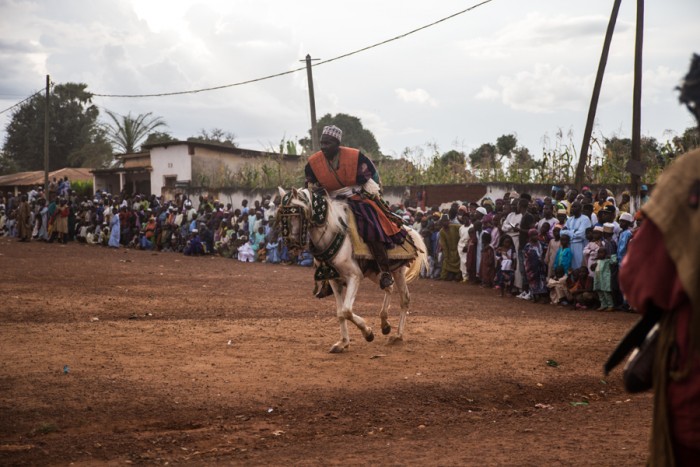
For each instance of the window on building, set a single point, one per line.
(170, 181)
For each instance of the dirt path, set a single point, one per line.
(183, 360)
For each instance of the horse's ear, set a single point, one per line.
(282, 192)
(294, 193)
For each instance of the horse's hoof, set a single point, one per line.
(386, 329)
(337, 349)
(394, 340)
(369, 337)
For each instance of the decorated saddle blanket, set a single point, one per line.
(361, 251)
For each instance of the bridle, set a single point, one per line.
(289, 211)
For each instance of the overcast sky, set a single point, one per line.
(510, 66)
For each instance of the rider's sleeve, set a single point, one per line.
(366, 170)
(310, 177)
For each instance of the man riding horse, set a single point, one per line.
(346, 173)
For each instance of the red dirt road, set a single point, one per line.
(199, 361)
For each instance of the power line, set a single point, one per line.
(21, 102)
(323, 62)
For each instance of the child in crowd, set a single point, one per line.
(535, 268)
(506, 262)
(582, 289)
(272, 248)
(558, 288)
(564, 256)
(551, 253)
(601, 281)
(487, 268)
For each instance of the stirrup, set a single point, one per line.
(385, 280)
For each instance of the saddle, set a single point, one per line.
(360, 250)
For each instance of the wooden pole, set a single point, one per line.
(583, 156)
(46, 141)
(315, 145)
(637, 100)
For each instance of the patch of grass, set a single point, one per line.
(46, 428)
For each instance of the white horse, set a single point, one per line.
(328, 235)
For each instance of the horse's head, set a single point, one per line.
(293, 218)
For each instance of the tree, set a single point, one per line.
(216, 135)
(158, 137)
(73, 135)
(126, 132)
(355, 135)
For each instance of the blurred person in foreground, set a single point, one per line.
(661, 270)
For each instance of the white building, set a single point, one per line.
(162, 168)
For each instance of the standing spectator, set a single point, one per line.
(511, 227)
(487, 266)
(643, 195)
(626, 221)
(114, 229)
(463, 240)
(24, 226)
(449, 239)
(506, 259)
(577, 225)
(527, 222)
(535, 268)
(601, 281)
(62, 221)
(552, 249)
(563, 257)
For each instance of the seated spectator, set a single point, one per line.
(558, 288)
(582, 289)
(194, 245)
(305, 259)
(272, 247)
(246, 254)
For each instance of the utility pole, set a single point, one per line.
(46, 142)
(636, 168)
(312, 102)
(583, 155)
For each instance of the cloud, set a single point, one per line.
(488, 93)
(418, 95)
(538, 32)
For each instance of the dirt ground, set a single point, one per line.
(127, 357)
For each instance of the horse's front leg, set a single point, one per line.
(384, 314)
(339, 293)
(352, 286)
(400, 279)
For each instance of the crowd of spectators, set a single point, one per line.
(565, 249)
(149, 223)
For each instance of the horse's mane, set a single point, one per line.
(337, 217)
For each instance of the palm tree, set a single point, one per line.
(127, 132)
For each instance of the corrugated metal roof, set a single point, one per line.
(36, 178)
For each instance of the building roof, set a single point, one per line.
(221, 148)
(36, 178)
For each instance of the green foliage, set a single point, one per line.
(126, 132)
(158, 137)
(74, 139)
(216, 136)
(355, 135)
(82, 187)
(269, 172)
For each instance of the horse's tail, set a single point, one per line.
(421, 260)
